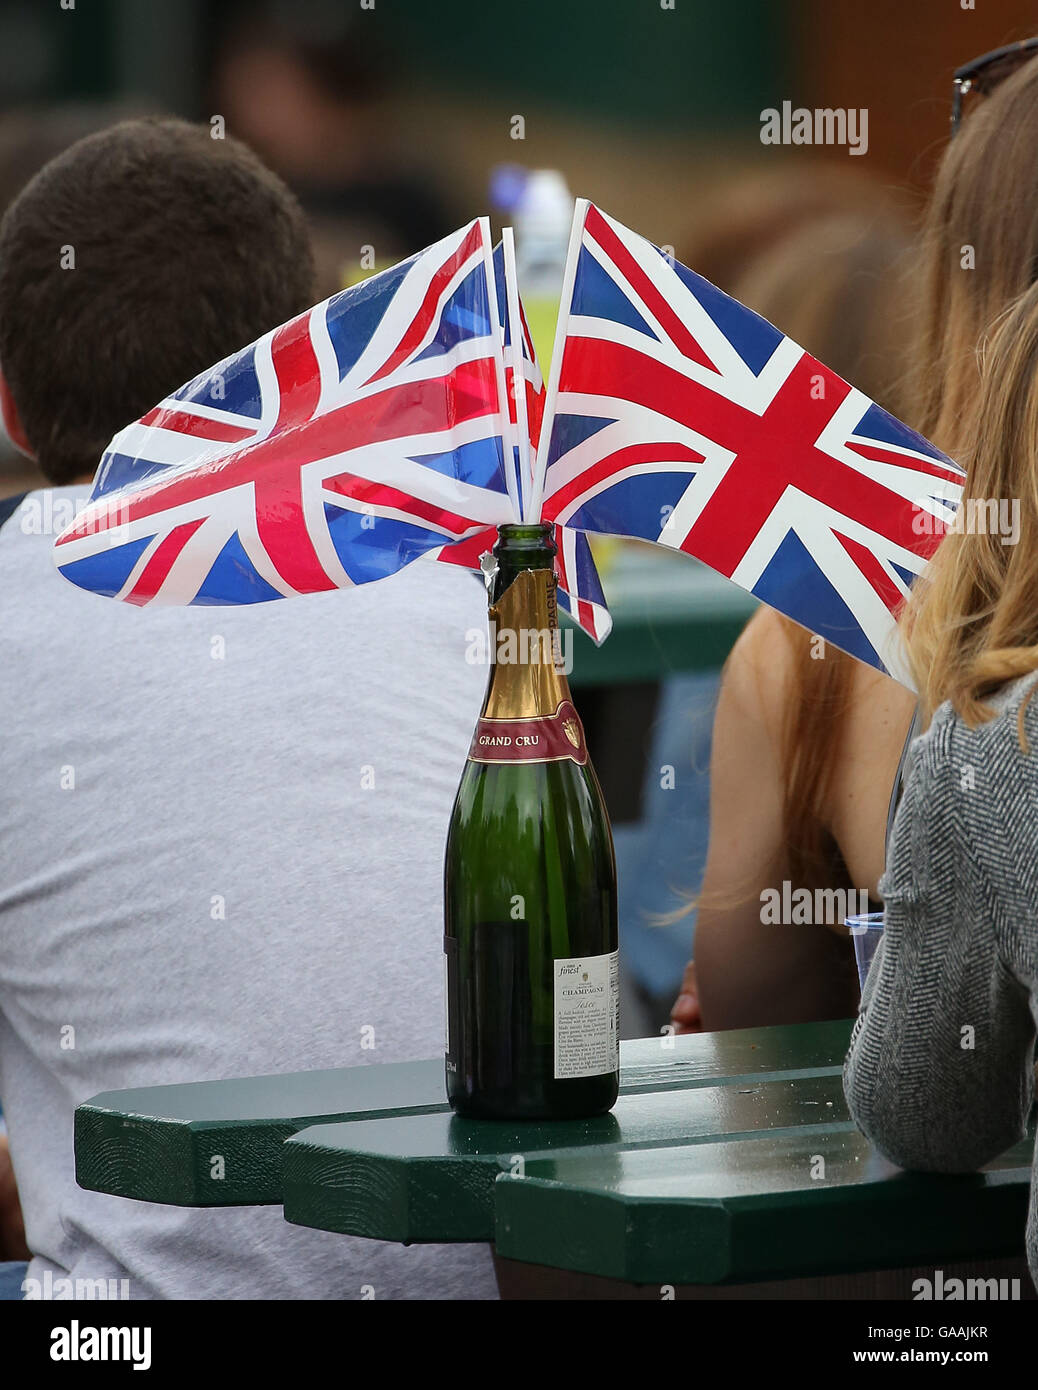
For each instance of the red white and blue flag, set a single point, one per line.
(361, 435)
(580, 588)
(375, 429)
(678, 416)
(525, 400)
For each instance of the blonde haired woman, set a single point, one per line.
(787, 773)
(940, 1074)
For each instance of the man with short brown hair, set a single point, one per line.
(223, 829)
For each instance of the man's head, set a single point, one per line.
(130, 263)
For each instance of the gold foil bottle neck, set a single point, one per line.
(526, 681)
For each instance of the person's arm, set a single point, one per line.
(750, 970)
(939, 1075)
(685, 1015)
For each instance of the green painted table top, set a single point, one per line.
(756, 1207)
(163, 1143)
(391, 1178)
(729, 1157)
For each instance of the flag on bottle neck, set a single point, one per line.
(523, 379)
(579, 590)
(363, 434)
(676, 415)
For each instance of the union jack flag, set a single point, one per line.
(678, 416)
(525, 404)
(580, 588)
(359, 436)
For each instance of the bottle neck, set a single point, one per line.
(527, 676)
(518, 550)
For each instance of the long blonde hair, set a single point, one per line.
(972, 624)
(979, 253)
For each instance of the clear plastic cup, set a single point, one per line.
(865, 928)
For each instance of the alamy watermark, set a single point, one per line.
(81, 1342)
(802, 125)
(976, 516)
(828, 907)
(47, 515)
(954, 1290)
(525, 646)
(63, 1288)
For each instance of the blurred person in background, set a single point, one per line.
(796, 719)
(749, 217)
(308, 87)
(198, 877)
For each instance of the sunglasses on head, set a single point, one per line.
(981, 76)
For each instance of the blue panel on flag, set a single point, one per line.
(123, 470)
(570, 430)
(369, 552)
(230, 385)
(499, 291)
(634, 506)
(464, 316)
(233, 579)
(906, 576)
(477, 463)
(354, 314)
(107, 571)
(877, 424)
(794, 584)
(752, 337)
(596, 293)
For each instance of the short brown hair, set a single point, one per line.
(181, 250)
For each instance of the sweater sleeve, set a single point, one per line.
(939, 1075)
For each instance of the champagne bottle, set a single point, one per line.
(530, 878)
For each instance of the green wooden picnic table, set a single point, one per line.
(729, 1167)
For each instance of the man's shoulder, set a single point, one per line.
(10, 505)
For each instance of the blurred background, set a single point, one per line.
(397, 120)
(390, 117)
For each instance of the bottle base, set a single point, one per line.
(586, 1103)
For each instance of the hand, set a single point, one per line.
(12, 1227)
(685, 1015)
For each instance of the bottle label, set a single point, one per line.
(587, 1016)
(547, 739)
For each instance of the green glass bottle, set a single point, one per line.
(530, 878)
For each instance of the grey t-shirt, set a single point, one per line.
(221, 851)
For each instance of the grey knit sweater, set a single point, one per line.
(940, 1072)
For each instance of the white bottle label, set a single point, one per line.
(587, 1016)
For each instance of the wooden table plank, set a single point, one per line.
(431, 1177)
(159, 1143)
(749, 1210)
(750, 1054)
